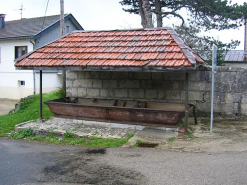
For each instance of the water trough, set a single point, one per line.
(122, 111)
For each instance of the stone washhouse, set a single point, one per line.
(129, 76)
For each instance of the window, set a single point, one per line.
(21, 83)
(20, 50)
(67, 27)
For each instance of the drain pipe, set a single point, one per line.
(194, 112)
(34, 80)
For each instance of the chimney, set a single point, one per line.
(2, 21)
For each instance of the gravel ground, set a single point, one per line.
(228, 135)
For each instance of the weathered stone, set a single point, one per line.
(94, 74)
(93, 92)
(161, 94)
(241, 76)
(199, 76)
(236, 87)
(82, 92)
(176, 76)
(195, 95)
(71, 75)
(244, 98)
(154, 84)
(72, 92)
(175, 85)
(196, 86)
(97, 83)
(219, 97)
(142, 76)
(228, 76)
(173, 95)
(81, 74)
(244, 109)
(226, 108)
(129, 84)
(130, 75)
(157, 76)
(107, 93)
(136, 93)
(233, 97)
(121, 93)
(87, 75)
(82, 83)
(222, 87)
(109, 83)
(119, 75)
(105, 75)
(69, 83)
(103, 93)
(151, 94)
(230, 87)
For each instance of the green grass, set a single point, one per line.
(29, 110)
(171, 139)
(70, 139)
(23, 134)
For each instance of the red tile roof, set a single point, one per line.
(120, 48)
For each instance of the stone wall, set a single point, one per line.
(230, 88)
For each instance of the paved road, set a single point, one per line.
(24, 162)
(6, 105)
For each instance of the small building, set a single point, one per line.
(19, 37)
(140, 65)
(235, 58)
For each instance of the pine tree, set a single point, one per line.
(204, 15)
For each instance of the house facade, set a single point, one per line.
(23, 36)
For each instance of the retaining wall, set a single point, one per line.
(230, 96)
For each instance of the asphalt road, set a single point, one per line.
(24, 162)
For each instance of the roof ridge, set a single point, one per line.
(36, 17)
(132, 29)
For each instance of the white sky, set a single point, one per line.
(97, 15)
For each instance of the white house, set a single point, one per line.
(19, 37)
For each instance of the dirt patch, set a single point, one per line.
(84, 168)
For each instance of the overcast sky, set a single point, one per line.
(96, 15)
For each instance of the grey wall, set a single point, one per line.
(54, 34)
(230, 88)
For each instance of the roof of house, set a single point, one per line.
(31, 27)
(92, 50)
(234, 56)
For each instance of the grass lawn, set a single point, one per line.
(29, 110)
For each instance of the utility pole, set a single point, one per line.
(62, 34)
(61, 18)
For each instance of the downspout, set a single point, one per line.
(34, 80)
